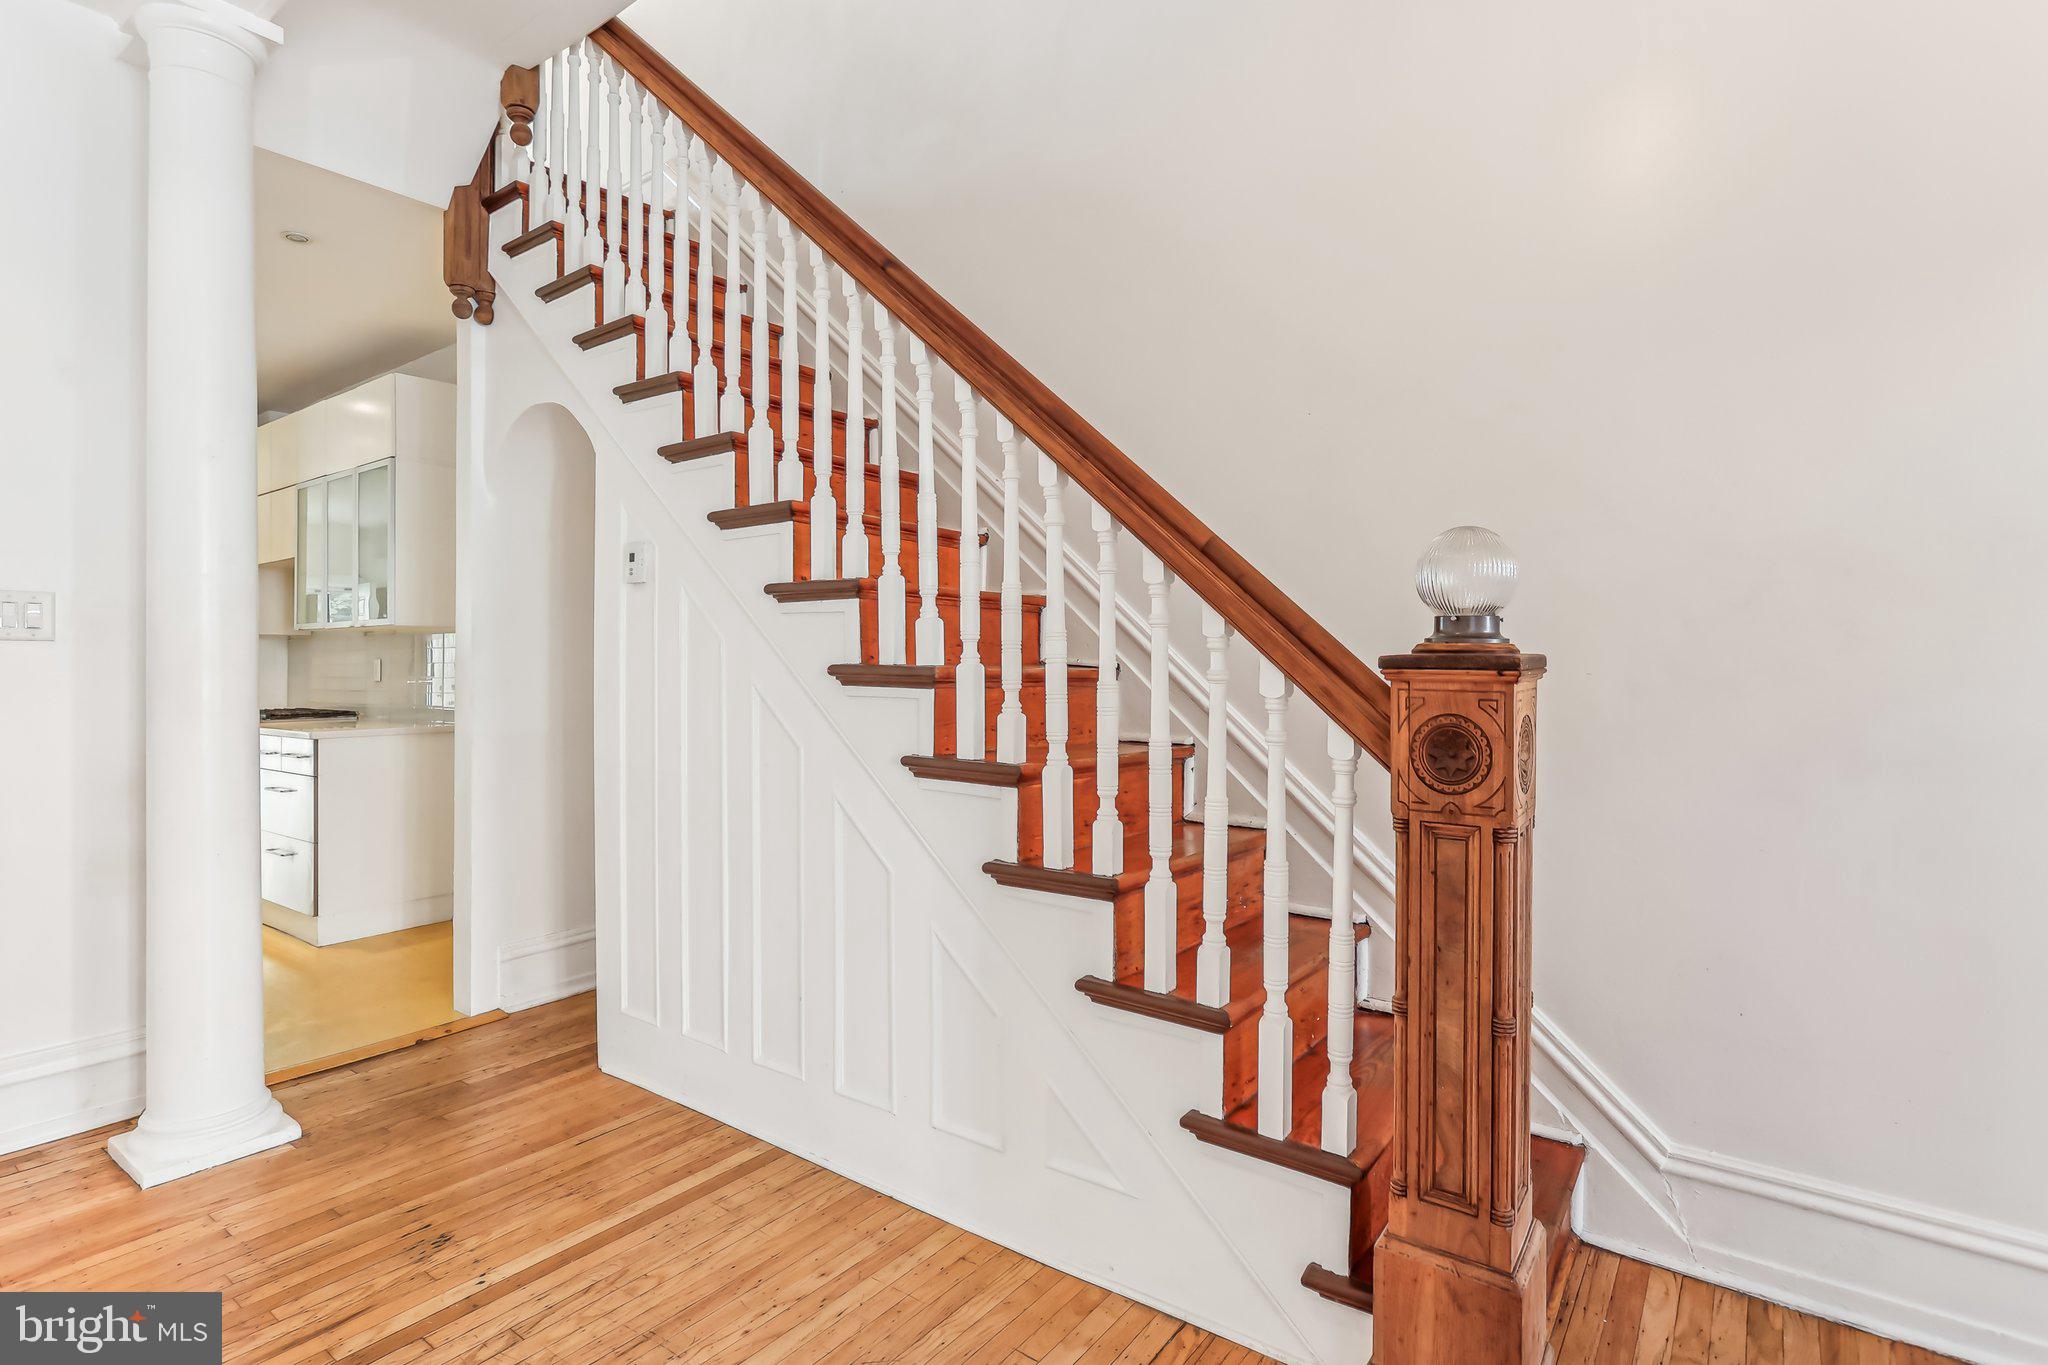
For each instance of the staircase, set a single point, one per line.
(1115, 807)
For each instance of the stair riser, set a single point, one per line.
(1133, 807)
(949, 556)
(1244, 900)
(1080, 705)
(906, 494)
(1308, 1001)
(949, 612)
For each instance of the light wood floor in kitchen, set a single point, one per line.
(492, 1195)
(343, 999)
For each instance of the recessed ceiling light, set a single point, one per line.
(295, 238)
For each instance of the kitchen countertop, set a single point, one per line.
(357, 729)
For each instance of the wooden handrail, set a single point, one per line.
(1342, 684)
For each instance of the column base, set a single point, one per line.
(152, 1156)
(1430, 1308)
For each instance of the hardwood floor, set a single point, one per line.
(492, 1195)
(318, 1002)
(1608, 1309)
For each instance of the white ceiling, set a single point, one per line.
(365, 296)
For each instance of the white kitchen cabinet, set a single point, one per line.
(276, 537)
(372, 515)
(358, 830)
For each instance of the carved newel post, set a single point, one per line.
(1460, 1273)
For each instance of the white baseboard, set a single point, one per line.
(53, 1092)
(1951, 1282)
(535, 971)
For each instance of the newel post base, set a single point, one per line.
(1460, 1275)
(1431, 1306)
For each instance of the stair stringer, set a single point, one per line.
(795, 936)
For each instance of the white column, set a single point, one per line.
(1212, 961)
(206, 1102)
(1109, 827)
(1340, 1096)
(1162, 899)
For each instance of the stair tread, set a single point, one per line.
(1372, 1076)
(851, 589)
(719, 442)
(1308, 941)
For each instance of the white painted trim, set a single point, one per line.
(52, 1092)
(535, 971)
(1877, 1254)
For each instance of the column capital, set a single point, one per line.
(207, 35)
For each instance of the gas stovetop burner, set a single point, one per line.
(303, 713)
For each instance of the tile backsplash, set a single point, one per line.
(340, 668)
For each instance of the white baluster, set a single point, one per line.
(541, 193)
(1276, 1026)
(1058, 778)
(703, 379)
(558, 140)
(824, 504)
(760, 435)
(654, 271)
(634, 201)
(1010, 720)
(970, 687)
(890, 590)
(1107, 834)
(854, 558)
(574, 242)
(612, 94)
(732, 398)
(505, 166)
(593, 162)
(1161, 897)
(1340, 1098)
(1212, 960)
(931, 630)
(789, 471)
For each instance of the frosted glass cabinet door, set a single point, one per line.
(309, 567)
(373, 544)
(341, 550)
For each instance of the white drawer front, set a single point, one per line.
(297, 755)
(287, 805)
(271, 747)
(288, 873)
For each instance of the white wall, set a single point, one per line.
(71, 522)
(1730, 320)
(525, 521)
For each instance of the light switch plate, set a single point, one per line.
(27, 615)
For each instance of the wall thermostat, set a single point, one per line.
(639, 561)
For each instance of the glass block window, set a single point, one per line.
(441, 671)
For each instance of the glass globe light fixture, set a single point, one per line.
(1467, 576)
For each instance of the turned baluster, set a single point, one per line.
(704, 378)
(1276, 1027)
(890, 590)
(575, 243)
(1010, 719)
(760, 433)
(1161, 897)
(635, 203)
(1212, 959)
(789, 468)
(931, 630)
(853, 560)
(732, 401)
(1340, 1097)
(970, 679)
(1058, 778)
(541, 192)
(655, 264)
(824, 505)
(1107, 835)
(611, 100)
(593, 158)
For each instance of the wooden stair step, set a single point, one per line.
(867, 593)
(798, 516)
(1133, 798)
(735, 443)
(1031, 696)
